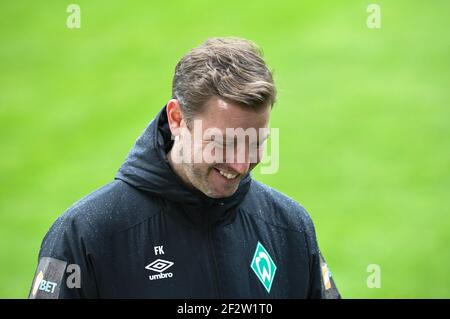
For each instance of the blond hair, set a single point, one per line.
(229, 68)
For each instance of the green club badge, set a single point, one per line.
(263, 266)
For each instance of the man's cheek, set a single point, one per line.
(197, 153)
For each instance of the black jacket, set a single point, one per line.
(147, 235)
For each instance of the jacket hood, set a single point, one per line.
(147, 168)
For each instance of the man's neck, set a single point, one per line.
(177, 168)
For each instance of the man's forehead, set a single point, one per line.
(223, 114)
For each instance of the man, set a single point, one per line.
(183, 217)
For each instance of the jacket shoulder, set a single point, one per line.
(110, 209)
(276, 208)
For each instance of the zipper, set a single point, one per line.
(212, 255)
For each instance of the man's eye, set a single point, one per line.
(257, 145)
(225, 145)
(219, 145)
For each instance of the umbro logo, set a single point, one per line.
(159, 265)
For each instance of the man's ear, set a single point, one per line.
(174, 116)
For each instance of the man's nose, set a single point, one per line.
(241, 168)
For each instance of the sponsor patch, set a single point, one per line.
(48, 279)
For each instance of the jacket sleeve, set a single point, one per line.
(322, 285)
(65, 268)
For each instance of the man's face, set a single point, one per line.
(226, 160)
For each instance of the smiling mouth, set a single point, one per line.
(228, 176)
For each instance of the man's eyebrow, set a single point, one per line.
(234, 138)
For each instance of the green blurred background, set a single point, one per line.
(363, 115)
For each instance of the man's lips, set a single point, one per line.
(226, 174)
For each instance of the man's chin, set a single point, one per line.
(217, 194)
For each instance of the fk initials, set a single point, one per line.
(159, 250)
